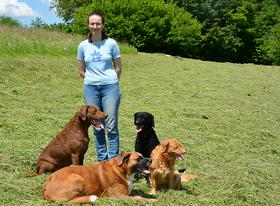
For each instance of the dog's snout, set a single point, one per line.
(105, 115)
(149, 159)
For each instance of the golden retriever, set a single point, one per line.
(162, 168)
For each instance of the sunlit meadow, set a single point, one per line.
(226, 115)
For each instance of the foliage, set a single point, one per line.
(149, 25)
(275, 44)
(268, 33)
(239, 31)
(8, 21)
(227, 28)
(224, 30)
(66, 8)
(38, 23)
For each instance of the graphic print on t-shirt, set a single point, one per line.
(96, 55)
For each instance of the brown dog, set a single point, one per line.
(84, 184)
(162, 169)
(70, 145)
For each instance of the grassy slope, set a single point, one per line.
(235, 150)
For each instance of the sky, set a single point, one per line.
(27, 10)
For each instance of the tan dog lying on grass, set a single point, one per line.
(84, 184)
(162, 168)
(70, 145)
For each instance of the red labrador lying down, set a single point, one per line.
(69, 146)
(86, 183)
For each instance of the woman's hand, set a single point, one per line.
(118, 67)
(82, 69)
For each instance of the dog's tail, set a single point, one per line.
(84, 199)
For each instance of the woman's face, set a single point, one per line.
(95, 24)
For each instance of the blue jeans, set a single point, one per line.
(107, 99)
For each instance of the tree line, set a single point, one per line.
(241, 31)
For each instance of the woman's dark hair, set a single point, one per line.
(89, 37)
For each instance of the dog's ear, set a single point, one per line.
(152, 121)
(123, 158)
(164, 146)
(135, 115)
(83, 113)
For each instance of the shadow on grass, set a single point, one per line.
(187, 191)
(142, 194)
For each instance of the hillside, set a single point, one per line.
(226, 115)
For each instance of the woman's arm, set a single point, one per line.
(82, 69)
(118, 66)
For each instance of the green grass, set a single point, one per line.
(17, 41)
(226, 115)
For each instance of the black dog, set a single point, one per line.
(146, 139)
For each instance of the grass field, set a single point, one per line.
(226, 115)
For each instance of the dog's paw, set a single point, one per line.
(152, 192)
(152, 200)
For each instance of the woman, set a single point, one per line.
(100, 67)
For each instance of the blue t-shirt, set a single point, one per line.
(98, 58)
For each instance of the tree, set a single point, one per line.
(5, 20)
(227, 30)
(66, 8)
(224, 30)
(37, 23)
(267, 33)
(149, 25)
(239, 31)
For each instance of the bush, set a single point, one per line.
(268, 34)
(273, 43)
(149, 25)
(8, 21)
